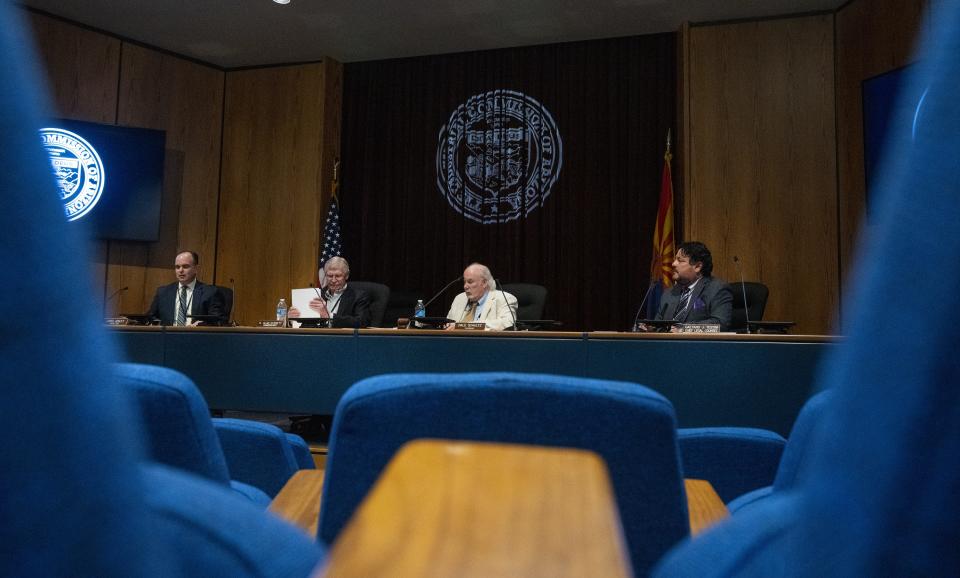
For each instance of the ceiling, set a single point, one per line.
(239, 33)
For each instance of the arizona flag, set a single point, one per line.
(661, 266)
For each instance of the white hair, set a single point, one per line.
(337, 263)
(485, 273)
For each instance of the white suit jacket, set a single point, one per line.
(496, 314)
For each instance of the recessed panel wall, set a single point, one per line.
(273, 185)
(761, 160)
(184, 99)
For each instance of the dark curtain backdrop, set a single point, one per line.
(590, 241)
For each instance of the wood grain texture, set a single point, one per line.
(762, 162)
(704, 505)
(332, 104)
(872, 38)
(472, 509)
(299, 500)
(272, 185)
(82, 68)
(184, 99)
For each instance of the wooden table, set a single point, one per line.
(464, 509)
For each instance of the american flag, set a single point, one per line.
(332, 245)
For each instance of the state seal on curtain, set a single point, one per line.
(498, 156)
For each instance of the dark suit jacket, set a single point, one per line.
(711, 302)
(206, 301)
(354, 309)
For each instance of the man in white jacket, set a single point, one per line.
(482, 302)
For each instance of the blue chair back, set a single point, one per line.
(800, 445)
(632, 427)
(880, 494)
(75, 495)
(69, 447)
(176, 420)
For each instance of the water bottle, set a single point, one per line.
(282, 311)
(420, 310)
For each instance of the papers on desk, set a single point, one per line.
(300, 298)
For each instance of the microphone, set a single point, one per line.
(512, 314)
(743, 291)
(439, 293)
(233, 306)
(636, 318)
(106, 304)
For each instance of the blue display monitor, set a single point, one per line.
(889, 115)
(110, 178)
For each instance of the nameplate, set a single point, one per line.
(116, 321)
(472, 326)
(700, 328)
(270, 323)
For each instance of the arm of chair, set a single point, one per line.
(301, 451)
(703, 505)
(744, 501)
(299, 500)
(257, 453)
(734, 460)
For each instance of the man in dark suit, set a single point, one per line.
(697, 296)
(344, 305)
(174, 304)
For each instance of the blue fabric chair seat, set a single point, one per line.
(244, 541)
(635, 432)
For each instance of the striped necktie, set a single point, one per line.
(682, 306)
(182, 310)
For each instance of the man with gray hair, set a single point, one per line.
(481, 302)
(346, 306)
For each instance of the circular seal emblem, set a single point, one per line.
(77, 168)
(498, 156)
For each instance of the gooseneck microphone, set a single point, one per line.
(439, 293)
(636, 318)
(743, 291)
(106, 304)
(512, 314)
(235, 306)
(320, 295)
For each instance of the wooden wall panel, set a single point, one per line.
(272, 184)
(761, 160)
(82, 68)
(332, 124)
(873, 37)
(184, 99)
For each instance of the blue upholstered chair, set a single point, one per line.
(735, 460)
(76, 495)
(795, 455)
(746, 464)
(879, 493)
(254, 458)
(636, 436)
